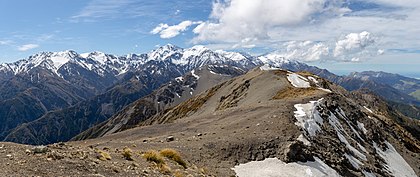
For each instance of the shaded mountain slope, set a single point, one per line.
(169, 95)
(63, 124)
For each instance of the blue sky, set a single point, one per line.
(340, 35)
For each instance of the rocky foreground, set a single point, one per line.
(65, 159)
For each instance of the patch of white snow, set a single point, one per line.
(361, 126)
(302, 139)
(308, 117)
(395, 163)
(267, 67)
(195, 75)
(368, 109)
(353, 161)
(313, 79)
(298, 81)
(276, 168)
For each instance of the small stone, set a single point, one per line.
(135, 164)
(170, 138)
(199, 134)
(27, 151)
(40, 149)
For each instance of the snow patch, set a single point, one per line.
(195, 75)
(302, 139)
(395, 163)
(180, 78)
(325, 90)
(267, 67)
(297, 80)
(367, 174)
(368, 109)
(308, 117)
(59, 61)
(313, 79)
(277, 168)
(333, 121)
(353, 161)
(361, 126)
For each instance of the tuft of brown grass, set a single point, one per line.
(305, 73)
(102, 155)
(291, 92)
(154, 156)
(178, 173)
(127, 153)
(164, 169)
(280, 72)
(173, 155)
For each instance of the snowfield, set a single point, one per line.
(395, 164)
(276, 168)
(298, 81)
(308, 117)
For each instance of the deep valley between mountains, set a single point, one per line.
(197, 112)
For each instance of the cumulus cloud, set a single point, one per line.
(27, 47)
(305, 50)
(235, 20)
(353, 47)
(165, 31)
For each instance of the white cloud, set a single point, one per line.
(354, 43)
(234, 20)
(306, 50)
(159, 28)
(27, 47)
(167, 31)
(102, 8)
(353, 47)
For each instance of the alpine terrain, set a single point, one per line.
(266, 122)
(199, 112)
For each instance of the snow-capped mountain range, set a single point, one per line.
(102, 63)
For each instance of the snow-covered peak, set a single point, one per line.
(198, 49)
(164, 52)
(100, 57)
(274, 59)
(235, 56)
(51, 60)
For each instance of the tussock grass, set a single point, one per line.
(102, 155)
(127, 153)
(173, 155)
(178, 174)
(154, 156)
(291, 92)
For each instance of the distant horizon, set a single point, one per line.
(331, 66)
